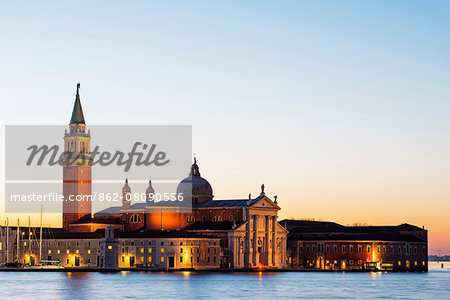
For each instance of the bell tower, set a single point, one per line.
(77, 164)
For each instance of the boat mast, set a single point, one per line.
(29, 239)
(40, 239)
(18, 240)
(7, 240)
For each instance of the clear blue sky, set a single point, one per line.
(340, 107)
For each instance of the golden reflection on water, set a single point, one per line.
(186, 274)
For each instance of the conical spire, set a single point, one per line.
(126, 188)
(77, 113)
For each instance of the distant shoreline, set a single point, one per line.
(75, 270)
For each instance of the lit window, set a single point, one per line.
(135, 218)
(142, 259)
(78, 251)
(109, 247)
(149, 250)
(162, 250)
(67, 251)
(49, 251)
(142, 250)
(162, 258)
(58, 251)
(149, 259)
(24, 243)
(89, 251)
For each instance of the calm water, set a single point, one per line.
(434, 284)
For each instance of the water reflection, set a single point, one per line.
(193, 284)
(77, 284)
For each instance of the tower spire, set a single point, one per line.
(77, 113)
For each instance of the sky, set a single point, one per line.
(341, 108)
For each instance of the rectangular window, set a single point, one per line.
(162, 250)
(123, 258)
(181, 259)
(368, 249)
(181, 250)
(162, 258)
(149, 259)
(109, 247)
(142, 250)
(89, 251)
(59, 251)
(343, 249)
(142, 259)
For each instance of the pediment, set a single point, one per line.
(265, 202)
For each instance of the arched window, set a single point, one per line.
(190, 219)
(135, 218)
(217, 218)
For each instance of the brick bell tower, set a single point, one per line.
(77, 164)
